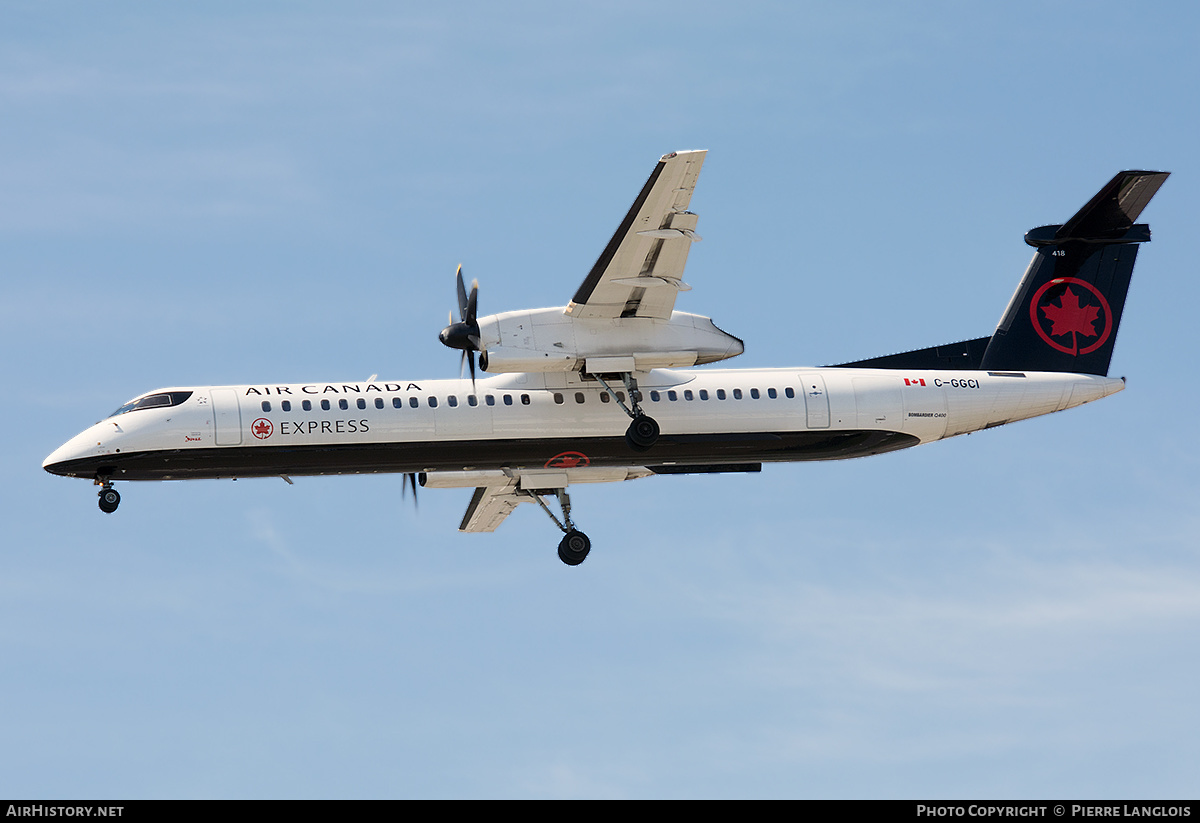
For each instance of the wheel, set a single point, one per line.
(642, 433)
(574, 548)
(109, 500)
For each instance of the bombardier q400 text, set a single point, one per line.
(601, 390)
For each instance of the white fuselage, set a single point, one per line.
(529, 421)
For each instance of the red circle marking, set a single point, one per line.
(1034, 305)
(568, 460)
(262, 428)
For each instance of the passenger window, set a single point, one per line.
(672, 396)
(654, 396)
(414, 402)
(524, 400)
(379, 402)
(508, 399)
(558, 398)
(621, 396)
(266, 405)
(737, 394)
(754, 394)
(397, 403)
(579, 397)
(432, 402)
(307, 404)
(343, 404)
(491, 400)
(604, 398)
(452, 400)
(325, 405)
(771, 394)
(287, 405)
(789, 391)
(720, 394)
(472, 400)
(687, 394)
(704, 394)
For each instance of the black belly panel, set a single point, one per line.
(532, 453)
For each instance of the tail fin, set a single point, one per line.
(1064, 315)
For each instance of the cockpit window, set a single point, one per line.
(154, 401)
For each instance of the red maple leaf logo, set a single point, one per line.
(262, 428)
(1070, 316)
(568, 460)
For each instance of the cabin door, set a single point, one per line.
(227, 417)
(816, 400)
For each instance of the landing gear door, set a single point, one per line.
(227, 417)
(816, 400)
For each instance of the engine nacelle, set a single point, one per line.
(548, 340)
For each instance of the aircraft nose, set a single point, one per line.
(54, 463)
(66, 459)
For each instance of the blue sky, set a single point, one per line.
(281, 192)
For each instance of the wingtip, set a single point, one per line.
(667, 157)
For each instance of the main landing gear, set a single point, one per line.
(109, 498)
(575, 545)
(643, 431)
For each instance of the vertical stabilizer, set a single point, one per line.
(1064, 314)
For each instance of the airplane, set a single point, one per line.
(604, 389)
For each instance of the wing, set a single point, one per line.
(488, 508)
(490, 505)
(641, 269)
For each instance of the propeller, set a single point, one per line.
(410, 478)
(464, 334)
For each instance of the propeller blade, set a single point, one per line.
(472, 302)
(464, 335)
(409, 478)
(462, 294)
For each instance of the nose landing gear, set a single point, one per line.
(109, 498)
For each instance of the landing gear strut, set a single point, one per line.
(109, 498)
(643, 431)
(575, 545)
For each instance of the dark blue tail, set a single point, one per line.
(1065, 313)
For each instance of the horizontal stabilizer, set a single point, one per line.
(1115, 208)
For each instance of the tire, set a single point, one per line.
(642, 433)
(109, 500)
(574, 548)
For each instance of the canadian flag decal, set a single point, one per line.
(916, 381)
